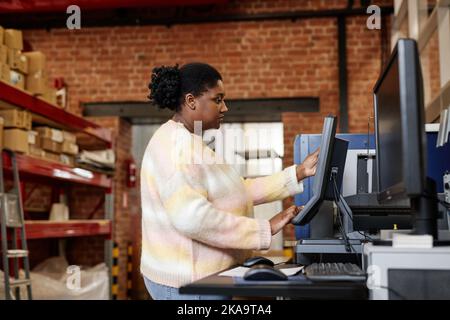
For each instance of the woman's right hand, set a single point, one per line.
(283, 218)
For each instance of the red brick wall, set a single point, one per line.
(256, 59)
(364, 66)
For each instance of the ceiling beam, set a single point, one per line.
(239, 110)
(167, 17)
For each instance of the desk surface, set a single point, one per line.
(220, 285)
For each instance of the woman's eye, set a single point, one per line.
(218, 100)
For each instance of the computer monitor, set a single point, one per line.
(399, 125)
(400, 137)
(332, 156)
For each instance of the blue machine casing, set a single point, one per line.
(438, 162)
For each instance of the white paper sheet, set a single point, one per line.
(278, 259)
(240, 271)
(235, 272)
(291, 271)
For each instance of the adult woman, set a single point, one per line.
(197, 217)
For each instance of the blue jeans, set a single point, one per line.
(161, 292)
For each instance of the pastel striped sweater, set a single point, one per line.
(197, 217)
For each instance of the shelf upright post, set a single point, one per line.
(109, 215)
(62, 193)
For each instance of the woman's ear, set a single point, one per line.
(189, 100)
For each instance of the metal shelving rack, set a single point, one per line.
(90, 136)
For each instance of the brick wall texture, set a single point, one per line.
(277, 58)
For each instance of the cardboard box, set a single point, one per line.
(3, 54)
(23, 64)
(69, 137)
(2, 34)
(5, 72)
(50, 145)
(36, 61)
(67, 160)
(36, 83)
(16, 140)
(12, 118)
(33, 137)
(27, 120)
(13, 39)
(69, 148)
(17, 61)
(13, 58)
(50, 156)
(15, 118)
(50, 96)
(17, 79)
(35, 151)
(50, 133)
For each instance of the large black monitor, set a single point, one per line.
(400, 137)
(332, 156)
(399, 125)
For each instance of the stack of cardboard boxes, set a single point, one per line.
(37, 78)
(56, 145)
(25, 70)
(41, 142)
(16, 124)
(14, 65)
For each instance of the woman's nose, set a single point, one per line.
(224, 108)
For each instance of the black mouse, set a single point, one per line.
(257, 260)
(264, 272)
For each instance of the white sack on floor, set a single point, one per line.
(51, 281)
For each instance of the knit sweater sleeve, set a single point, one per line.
(274, 187)
(191, 213)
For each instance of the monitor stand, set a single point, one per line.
(308, 251)
(424, 210)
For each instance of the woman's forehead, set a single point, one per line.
(218, 89)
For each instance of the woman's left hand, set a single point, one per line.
(309, 166)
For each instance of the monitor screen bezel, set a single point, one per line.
(412, 122)
(398, 189)
(323, 170)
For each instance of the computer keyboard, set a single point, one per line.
(334, 272)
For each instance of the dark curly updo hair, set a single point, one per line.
(169, 85)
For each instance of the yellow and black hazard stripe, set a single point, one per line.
(129, 269)
(115, 271)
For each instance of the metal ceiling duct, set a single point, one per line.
(33, 6)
